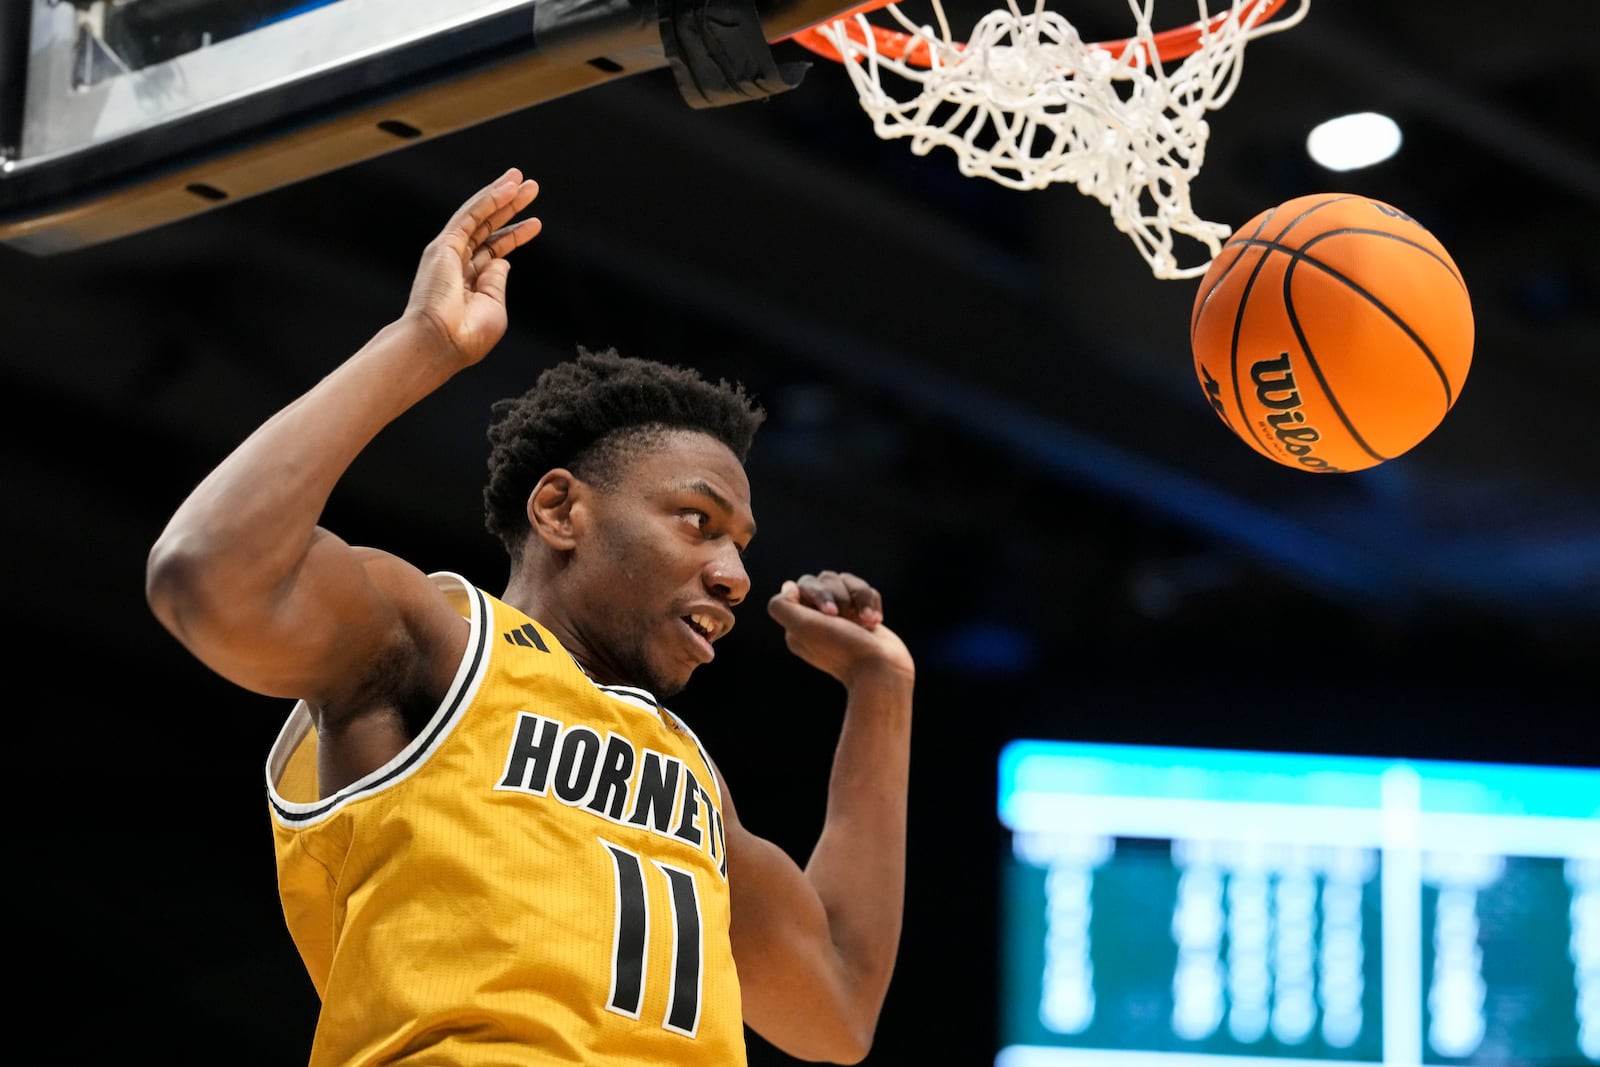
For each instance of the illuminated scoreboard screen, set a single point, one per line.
(1167, 907)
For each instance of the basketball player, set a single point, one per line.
(495, 844)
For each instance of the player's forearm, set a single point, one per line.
(247, 526)
(858, 866)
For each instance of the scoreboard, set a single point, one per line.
(1168, 907)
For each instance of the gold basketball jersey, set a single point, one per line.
(538, 878)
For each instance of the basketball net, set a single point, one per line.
(1024, 101)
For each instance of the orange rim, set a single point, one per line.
(1169, 44)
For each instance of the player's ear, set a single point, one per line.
(556, 509)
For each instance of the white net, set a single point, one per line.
(1026, 102)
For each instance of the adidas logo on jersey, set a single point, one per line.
(527, 637)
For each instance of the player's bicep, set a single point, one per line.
(353, 608)
(791, 977)
(780, 937)
(340, 608)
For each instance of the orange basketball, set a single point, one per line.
(1332, 332)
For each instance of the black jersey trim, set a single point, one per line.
(421, 745)
(631, 694)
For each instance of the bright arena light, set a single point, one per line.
(1350, 142)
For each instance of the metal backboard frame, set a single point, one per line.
(100, 146)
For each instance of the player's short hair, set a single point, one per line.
(592, 415)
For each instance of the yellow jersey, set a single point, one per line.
(538, 878)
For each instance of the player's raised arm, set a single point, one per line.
(816, 947)
(243, 574)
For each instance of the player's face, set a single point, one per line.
(662, 558)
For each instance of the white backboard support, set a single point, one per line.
(120, 115)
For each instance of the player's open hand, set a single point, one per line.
(460, 285)
(834, 621)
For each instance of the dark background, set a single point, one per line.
(980, 399)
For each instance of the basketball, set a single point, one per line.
(1332, 333)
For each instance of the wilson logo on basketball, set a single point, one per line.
(1275, 389)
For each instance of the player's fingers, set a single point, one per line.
(498, 221)
(491, 280)
(821, 591)
(527, 192)
(503, 242)
(508, 239)
(472, 219)
(853, 597)
(865, 602)
(782, 605)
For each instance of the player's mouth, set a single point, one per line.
(705, 628)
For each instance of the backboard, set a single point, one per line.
(120, 115)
